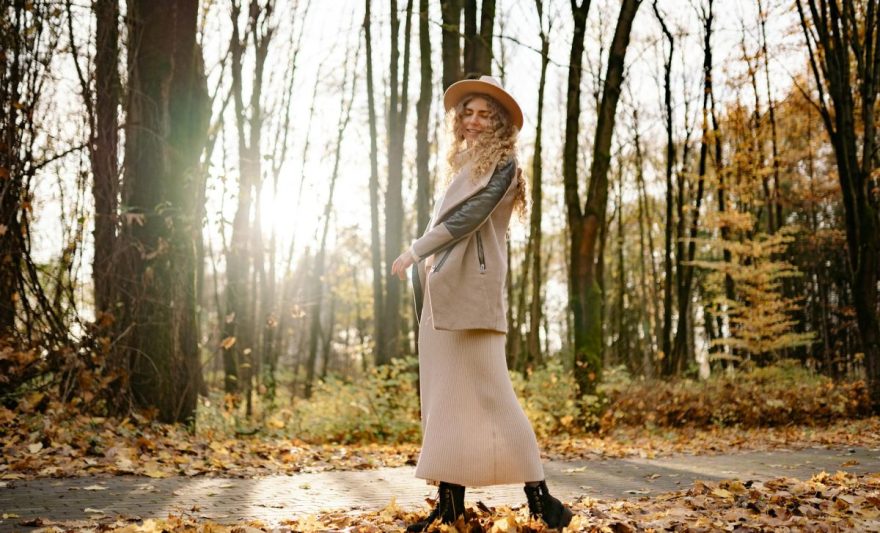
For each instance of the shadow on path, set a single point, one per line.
(273, 499)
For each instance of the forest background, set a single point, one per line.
(201, 201)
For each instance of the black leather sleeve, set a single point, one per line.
(469, 215)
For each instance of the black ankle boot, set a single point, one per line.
(449, 506)
(544, 506)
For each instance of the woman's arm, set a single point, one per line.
(462, 220)
(467, 216)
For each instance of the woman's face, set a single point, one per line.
(476, 117)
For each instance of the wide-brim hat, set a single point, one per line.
(488, 85)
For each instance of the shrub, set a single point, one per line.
(382, 406)
(782, 394)
(549, 398)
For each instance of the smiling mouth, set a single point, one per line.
(474, 132)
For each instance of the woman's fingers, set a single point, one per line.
(400, 265)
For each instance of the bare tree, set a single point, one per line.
(674, 363)
(316, 286)
(423, 119)
(843, 41)
(398, 105)
(587, 224)
(450, 11)
(478, 37)
(375, 234)
(105, 165)
(666, 334)
(535, 236)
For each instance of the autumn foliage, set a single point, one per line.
(779, 395)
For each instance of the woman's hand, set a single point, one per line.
(403, 262)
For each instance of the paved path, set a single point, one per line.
(275, 498)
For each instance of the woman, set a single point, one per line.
(474, 431)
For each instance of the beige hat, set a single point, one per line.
(488, 85)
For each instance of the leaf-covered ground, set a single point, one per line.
(826, 502)
(44, 446)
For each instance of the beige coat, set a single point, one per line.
(466, 273)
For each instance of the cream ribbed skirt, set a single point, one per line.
(474, 431)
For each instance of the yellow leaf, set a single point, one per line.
(721, 493)
(505, 525)
(155, 473)
(227, 343)
(124, 464)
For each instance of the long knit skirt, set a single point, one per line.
(474, 431)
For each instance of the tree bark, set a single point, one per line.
(676, 361)
(167, 127)
(533, 340)
(588, 226)
(838, 40)
(570, 179)
(649, 329)
(317, 285)
(478, 37)
(105, 164)
(666, 333)
(423, 120)
(396, 126)
(450, 11)
(375, 237)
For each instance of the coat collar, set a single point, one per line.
(462, 187)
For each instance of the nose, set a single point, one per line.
(473, 120)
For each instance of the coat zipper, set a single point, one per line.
(480, 253)
(442, 260)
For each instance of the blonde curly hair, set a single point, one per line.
(495, 146)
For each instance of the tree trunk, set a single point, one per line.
(450, 11)
(587, 227)
(317, 283)
(533, 340)
(396, 125)
(666, 334)
(167, 126)
(834, 34)
(236, 322)
(327, 348)
(649, 329)
(622, 353)
(478, 37)
(576, 297)
(678, 358)
(423, 120)
(14, 67)
(375, 238)
(776, 199)
(106, 145)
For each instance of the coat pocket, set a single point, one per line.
(480, 254)
(442, 260)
